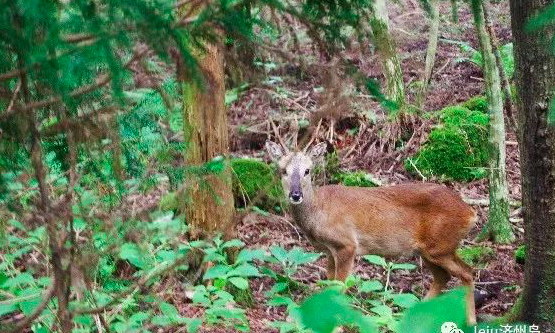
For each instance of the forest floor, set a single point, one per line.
(453, 82)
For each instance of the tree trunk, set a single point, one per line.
(430, 51)
(535, 82)
(498, 227)
(208, 202)
(379, 23)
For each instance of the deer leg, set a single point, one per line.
(458, 268)
(441, 277)
(344, 259)
(331, 267)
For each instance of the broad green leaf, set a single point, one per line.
(169, 310)
(216, 271)
(405, 300)
(279, 252)
(300, 257)
(403, 266)
(239, 282)
(33, 297)
(233, 243)
(376, 260)
(382, 310)
(131, 253)
(325, 311)
(370, 286)
(428, 316)
(245, 270)
(247, 255)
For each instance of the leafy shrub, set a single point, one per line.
(255, 180)
(476, 256)
(457, 149)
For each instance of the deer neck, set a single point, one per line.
(304, 213)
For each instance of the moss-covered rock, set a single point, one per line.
(358, 178)
(255, 180)
(477, 103)
(476, 256)
(457, 149)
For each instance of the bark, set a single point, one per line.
(385, 45)
(498, 227)
(503, 74)
(535, 82)
(208, 202)
(431, 50)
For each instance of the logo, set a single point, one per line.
(450, 327)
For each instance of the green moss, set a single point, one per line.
(358, 178)
(476, 256)
(169, 201)
(457, 149)
(255, 181)
(477, 103)
(520, 254)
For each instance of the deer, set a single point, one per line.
(423, 219)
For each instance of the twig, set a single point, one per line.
(12, 100)
(276, 134)
(314, 135)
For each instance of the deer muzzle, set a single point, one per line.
(295, 191)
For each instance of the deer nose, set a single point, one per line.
(296, 196)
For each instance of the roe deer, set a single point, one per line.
(416, 218)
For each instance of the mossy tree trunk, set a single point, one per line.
(535, 82)
(385, 45)
(498, 227)
(208, 200)
(430, 51)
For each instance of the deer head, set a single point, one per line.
(296, 169)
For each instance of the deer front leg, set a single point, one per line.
(330, 273)
(344, 259)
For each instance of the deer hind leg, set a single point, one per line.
(458, 268)
(344, 259)
(441, 277)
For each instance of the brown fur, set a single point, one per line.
(415, 218)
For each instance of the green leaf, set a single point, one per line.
(405, 300)
(370, 286)
(216, 271)
(279, 253)
(325, 311)
(169, 310)
(403, 266)
(382, 310)
(131, 253)
(29, 305)
(233, 243)
(300, 257)
(376, 260)
(428, 316)
(193, 324)
(239, 282)
(247, 255)
(246, 270)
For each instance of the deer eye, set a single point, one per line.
(307, 171)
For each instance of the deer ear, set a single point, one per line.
(318, 151)
(274, 150)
